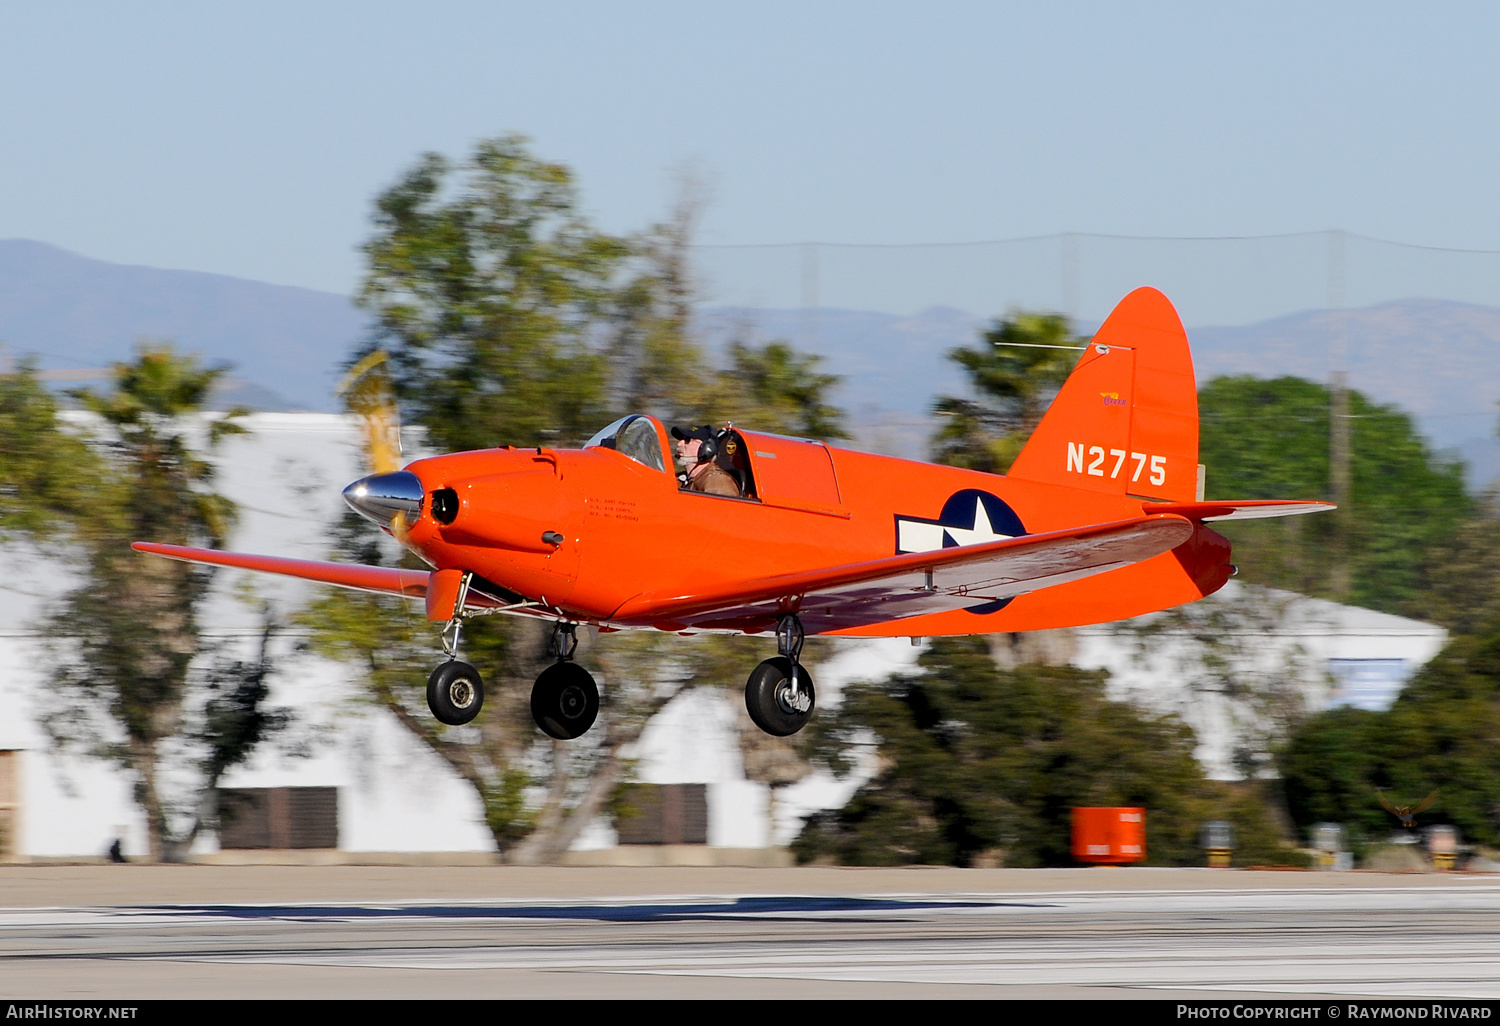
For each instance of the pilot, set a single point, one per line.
(696, 449)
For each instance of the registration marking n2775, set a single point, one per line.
(1097, 461)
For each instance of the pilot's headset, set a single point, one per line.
(708, 448)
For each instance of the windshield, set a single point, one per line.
(605, 436)
(635, 437)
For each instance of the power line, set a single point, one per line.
(1104, 236)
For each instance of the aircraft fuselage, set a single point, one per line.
(595, 535)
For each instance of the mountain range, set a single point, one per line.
(74, 313)
(1436, 359)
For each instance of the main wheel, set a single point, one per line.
(455, 694)
(770, 700)
(564, 701)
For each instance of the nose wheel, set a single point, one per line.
(455, 691)
(779, 696)
(565, 699)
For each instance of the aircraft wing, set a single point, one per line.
(895, 587)
(1238, 509)
(380, 579)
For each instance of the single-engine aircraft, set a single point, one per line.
(1100, 518)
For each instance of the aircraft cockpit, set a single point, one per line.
(641, 438)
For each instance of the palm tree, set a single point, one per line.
(130, 628)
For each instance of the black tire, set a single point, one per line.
(564, 701)
(455, 693)
(768, 697)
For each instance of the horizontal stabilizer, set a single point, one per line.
(1238, 509)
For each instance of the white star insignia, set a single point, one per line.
(921, 536)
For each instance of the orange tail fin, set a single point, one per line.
(1126, 420)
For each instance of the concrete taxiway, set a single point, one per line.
(137, 932)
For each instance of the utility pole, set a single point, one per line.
(810, 296)
(1070, 298)
(1339, 422)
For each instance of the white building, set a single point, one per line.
(1287, 655)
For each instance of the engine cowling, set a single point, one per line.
(523, 511)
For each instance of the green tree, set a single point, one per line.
(510, 319)
(1014, 372)
(775, 388)
(656, 366)
(128, 634)
(1461, 573)
(48, 474)
(1269, 439)
(1443, 731)
(983, 762)
(488, 286)
(232, 721)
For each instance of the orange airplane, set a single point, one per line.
(1101, 518)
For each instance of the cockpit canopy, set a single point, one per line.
(776, 470)
(634, 436)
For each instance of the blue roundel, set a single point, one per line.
(1002, 518)
(969, 517)
(962, 510)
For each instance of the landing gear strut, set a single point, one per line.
(455, 692)
(565, 699)
(779, 694)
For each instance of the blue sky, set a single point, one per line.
(251, 139)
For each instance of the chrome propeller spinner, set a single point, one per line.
(381, 498)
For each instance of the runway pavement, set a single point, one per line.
(139, 932)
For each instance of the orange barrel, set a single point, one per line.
(1109, 836)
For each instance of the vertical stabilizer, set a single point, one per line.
(1126, 420)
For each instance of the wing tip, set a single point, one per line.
(155, 548)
